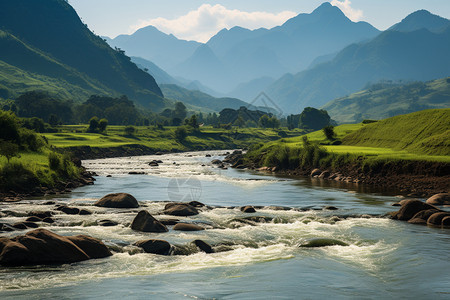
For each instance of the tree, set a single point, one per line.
(102, 125)
(9, 150)
(53, 120)
(264, 121)
(9, 128)
(180, 134)
(180, 111)
(192, 122)
(93, 124)
(329, 132)
(313, 118)
(240, 122)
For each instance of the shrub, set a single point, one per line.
(15, 176)
(9, 150)
(53, 161)
(180, 134)
(129, 130)
(329, 132)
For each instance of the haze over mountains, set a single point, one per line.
(238, 55)
(308, 61)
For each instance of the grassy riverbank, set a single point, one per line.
(165, 139)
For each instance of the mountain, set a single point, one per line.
(200, 99)
(52, 41)
(248, 91)
(161, 76)
(421, 19)
(165, 50)
(204, 66)
(419, 55)
(384, 100)
(249, 54)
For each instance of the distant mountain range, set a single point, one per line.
(48, 41)
(418, 55)
(387, 99)
(240, 55)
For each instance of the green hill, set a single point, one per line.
(51, 40)
(426, 131)
(384, 100)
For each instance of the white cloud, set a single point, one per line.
(345, 5)
(207, 20)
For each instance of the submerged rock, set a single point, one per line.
(154, 246)
(180, 209)
(145, 222)
(107, 223)
(422, 216)
(323, 242)
(118, 200)
(187, 227)
(41, 246)
(315, 172)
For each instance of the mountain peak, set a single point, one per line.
(326, 9)
(421, 19)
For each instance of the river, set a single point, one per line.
(384, 259)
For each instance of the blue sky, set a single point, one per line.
(198, 20)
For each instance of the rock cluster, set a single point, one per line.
(41, 246)
(418, 212)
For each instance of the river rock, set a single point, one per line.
(118, 200)
(446, 221)
(145, 222)
(31, 224)
(439, 199)
(436, 218)
(92, 247)
(216, 162)
(84, 212)
(196, 204)
(20, 226)
(422, 216)
(248, 209)
(48, 220)
(154, 246)
(324, 174)
(315, 172)
(180, 209)
(169, 221)
(412, 207)
(41, 246)
(323, 242)
(40, 214)
(107, 223)
(33, 219)
(69, 210)
(204, 246)
(187, 227)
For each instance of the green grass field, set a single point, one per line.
(163, 139)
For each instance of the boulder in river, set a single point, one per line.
(315, 172)
(187, 227)
(41, 246)
(145, 222)
(118, 200)
(436, 218)
(216, 162)
(154, 246)
(422, 216)
(412, 207)
(323, 242)
(180, 209)
(248, 209)
(439, 199)
(446, 222)
(204, 246)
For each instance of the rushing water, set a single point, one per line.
(384, 259)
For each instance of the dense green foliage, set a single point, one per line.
(26, 161)
(425, 131)
(388, 99)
